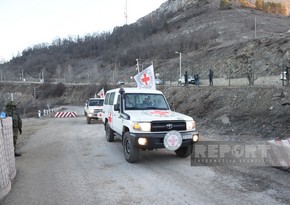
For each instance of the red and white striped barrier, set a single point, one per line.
(280, 152)
(65, 114)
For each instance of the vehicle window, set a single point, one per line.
(129, 102)
(107, 97)
(111, 100)
(96, 102)
(119, 99)
(140, 101)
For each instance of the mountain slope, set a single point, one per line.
(206, 35)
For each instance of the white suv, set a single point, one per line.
(143, 120)
(190, 80)
(93, 109)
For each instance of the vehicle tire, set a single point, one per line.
(109, 133)
(184, 152)
(88, 120)
(131, 152)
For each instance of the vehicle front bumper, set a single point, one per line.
(156, 140)
(93, 115)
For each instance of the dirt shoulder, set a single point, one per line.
(29, 127)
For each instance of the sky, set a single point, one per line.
(25, 23)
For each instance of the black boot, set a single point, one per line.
(16, 154)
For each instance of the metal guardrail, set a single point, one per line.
(48, 111)
(264, 80)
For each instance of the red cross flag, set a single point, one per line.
(101, 93)
(146, 79)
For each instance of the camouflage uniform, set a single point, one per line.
(17, 122)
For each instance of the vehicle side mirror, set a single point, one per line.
(117, 107)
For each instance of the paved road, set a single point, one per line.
(66, 161)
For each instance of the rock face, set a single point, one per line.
(173, 6)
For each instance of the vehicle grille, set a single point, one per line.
(157, 126)
(97, 110)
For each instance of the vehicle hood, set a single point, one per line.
(156, 115)
(96, 107)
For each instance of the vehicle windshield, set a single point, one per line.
(145, 101)
(96, 102)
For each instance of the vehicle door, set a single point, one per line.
(108, 108)
(117, 119)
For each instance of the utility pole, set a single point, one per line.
(34, 92)
(229, 73)
(179, 63)
(114, 73)
(253, 69)
(138, 69)
(283, 70)
(255, 27)
(126, 12)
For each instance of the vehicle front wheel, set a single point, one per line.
(131, 152)
(109, 133)
(184, 152)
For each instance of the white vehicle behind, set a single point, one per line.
(190, 80)
(93, 109)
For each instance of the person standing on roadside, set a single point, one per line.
(16, 123)
(210, 76)
(196, 80)
(185, 78)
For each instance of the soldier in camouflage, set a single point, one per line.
(17, 123)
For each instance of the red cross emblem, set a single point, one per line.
(110, 119)
(172, 140)
(100, 114)
(160, 113)
(145, 79)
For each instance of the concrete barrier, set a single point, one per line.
(65, 114)
(7, 159)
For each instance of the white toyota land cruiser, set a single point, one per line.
(143, 120)
(93, 109)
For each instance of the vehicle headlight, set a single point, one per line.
(142, 126)
(190, 125)
(142, 141)
(195, 138)
(91, 111)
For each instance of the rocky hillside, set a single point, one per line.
(236, 42)
(230, 41)
(236, 113)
